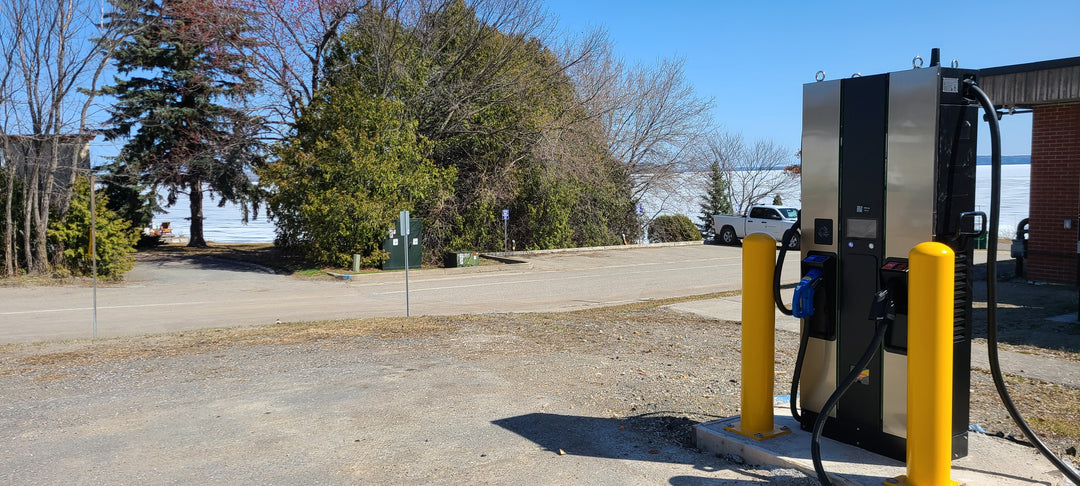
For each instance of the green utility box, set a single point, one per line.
(980, 242)
(461, 259)
(395, 243)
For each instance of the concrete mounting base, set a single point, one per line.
(990, 460)
(902, 480)
(737, 428)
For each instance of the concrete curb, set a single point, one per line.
(511, 265)
(511, 254)
(513, 259)
(503, 259)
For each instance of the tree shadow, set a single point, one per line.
(210, 262)
(249, 261)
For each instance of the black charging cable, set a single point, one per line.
(804, 338)
(785, 241)
(991, 284)
(883, 311)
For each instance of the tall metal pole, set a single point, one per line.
(403, 224)
(93, 247)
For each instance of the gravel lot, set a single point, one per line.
(604, 396)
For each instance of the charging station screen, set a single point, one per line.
(861, 228)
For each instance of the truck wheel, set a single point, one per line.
(795, 242)
(727, 236)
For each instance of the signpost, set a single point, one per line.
(93, 247)
(403, 223)
(640, 210)
(505, 218)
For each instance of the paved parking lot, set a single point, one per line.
(164, 293)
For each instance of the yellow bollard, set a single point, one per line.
(929, 372)
(758, 339)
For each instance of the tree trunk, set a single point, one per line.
(9, 226)
(41, 210)
(9, 223)
(29, 201)
(196, 239)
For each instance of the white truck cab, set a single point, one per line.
(768, 219)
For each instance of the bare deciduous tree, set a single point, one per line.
(53, 58)
(755, 172)
(8, 45)
(295, 36)
(653, 120)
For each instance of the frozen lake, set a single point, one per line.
(1015, 184)
(223, 224)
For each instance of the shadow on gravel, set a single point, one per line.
(611, 438)
(649, 437)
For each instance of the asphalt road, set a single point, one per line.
(164, 294)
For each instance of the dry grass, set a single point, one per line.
(22, 358)
(16, 359)
(1051, 410)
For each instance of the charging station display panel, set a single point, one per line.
(862, 228)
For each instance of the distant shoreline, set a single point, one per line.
(1005, 160)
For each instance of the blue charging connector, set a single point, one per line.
(802, 305)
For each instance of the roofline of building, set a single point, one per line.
(1031, 66)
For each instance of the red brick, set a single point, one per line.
(1055, 183)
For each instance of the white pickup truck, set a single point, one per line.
(771, 220)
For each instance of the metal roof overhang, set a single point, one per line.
(1055, 82)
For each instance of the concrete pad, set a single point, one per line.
(730, 309)
(1050, 370)
(990, 460)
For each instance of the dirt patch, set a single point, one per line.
(44, 358)
(1024, 309)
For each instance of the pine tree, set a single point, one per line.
(716, 198)
(186, 64)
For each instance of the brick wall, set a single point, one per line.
(1055, 194)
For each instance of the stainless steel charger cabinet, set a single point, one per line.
(888, 162)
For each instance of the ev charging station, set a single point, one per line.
(888, 174)
(888, 162)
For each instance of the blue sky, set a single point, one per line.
(752, 58)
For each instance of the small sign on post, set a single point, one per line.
(505, 218)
